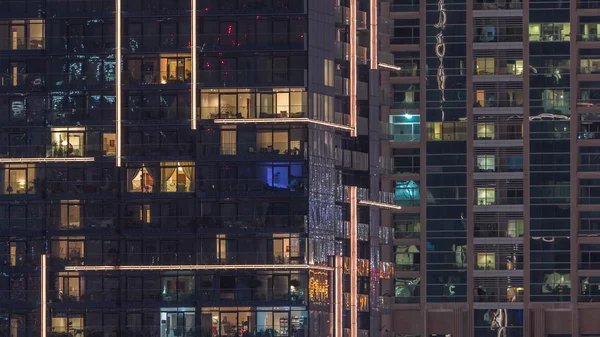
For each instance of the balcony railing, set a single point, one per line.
(291, 185)
(244, 112)
(22, 80)
(159, 150)
(491, 34)
(23, 43)
(252, 77)
(292, 148)
(492, 5)
(54, 151)
(414, 7)
(242, 42)
(156, 77)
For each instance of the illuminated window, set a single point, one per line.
(486, 163)
(70, 214)
(515, 228)
(244, 103)
(515, 68)
(589, 65)
(486, 196)
(486, 131)
(69, 324)
(70, 250)
(70, 286)
(19, 179)
(177, 177)
(589, 32)
(141, 179)
(22, 34)
(556, 101)
(68, 142)
(328, 72)
(108, 144)
(549, 32)
(228, 141)
(486, 261)
(485, 66)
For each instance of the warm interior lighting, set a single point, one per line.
(373, 31)
(379, 204)
(280, 120)
(339, 296)
(203, 267)
(118, 79)
(46, 160)
(43, 286)
(352, 192)
(194, 52)
(353, 64)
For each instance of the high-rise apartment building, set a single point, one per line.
(203, 168)
(495, 119)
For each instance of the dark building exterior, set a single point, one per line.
(495, 125)
(179, 168)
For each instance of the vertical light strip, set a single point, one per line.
(194, 66)
(352, 191)
(118, 72)
(339, 296)
(374, 34)
(43, 301)
(353, 64)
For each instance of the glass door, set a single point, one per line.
(177, 323)
(266, 106)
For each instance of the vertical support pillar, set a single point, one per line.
(194, 47)
(374, 35)
(43, 300)
(352, 191)
(118, 81)
(338, 296)
(353, 65)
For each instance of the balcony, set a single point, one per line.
(498, 228)
(293, 186)
(405, 128)
(500, 289)
(341, 86)
(588, 4)
(19, 81)
(491, 195)
(509, 36)
(495, 70)
(488, 164)
(342, 15)
(351, 159)
(274, 150)
(549, 32)
(499, 257)
(260, 7)
(407, 193)
(485, 5)
(220, 42)
(341, 50)
(284, 77)
(404, 6)
(159, 151)
(38, 153)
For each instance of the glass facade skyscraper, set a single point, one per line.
(177, 168)
(494, 124)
